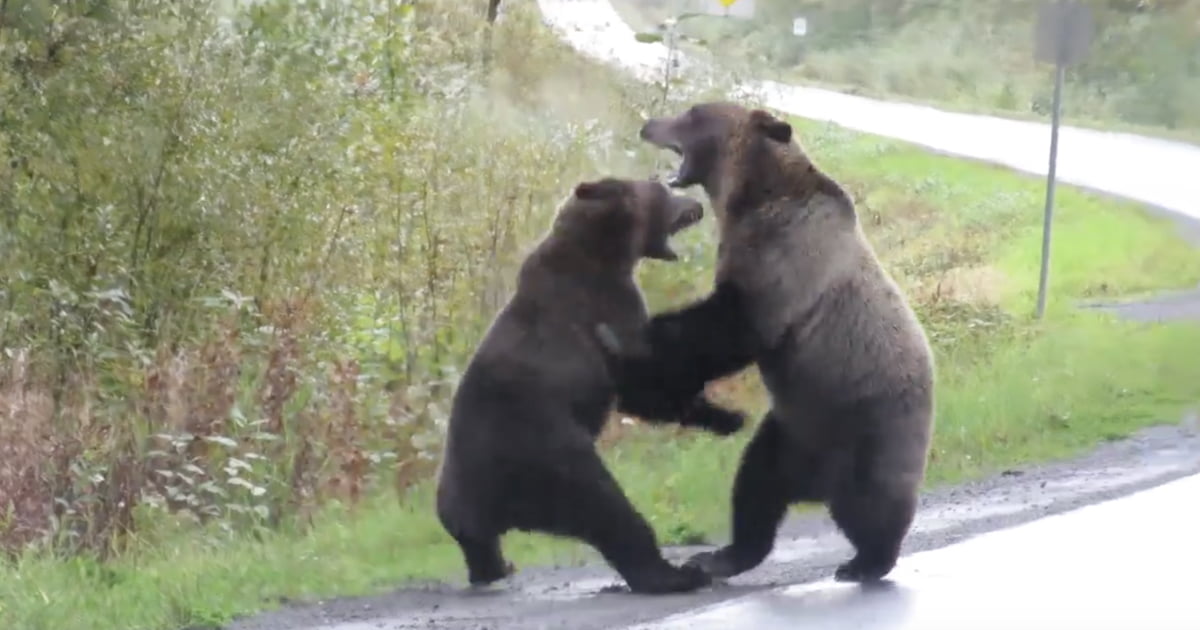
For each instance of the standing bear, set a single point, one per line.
(800, 292)
(520, 447)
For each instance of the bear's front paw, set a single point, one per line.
(714, 418)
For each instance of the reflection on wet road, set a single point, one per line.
(1120, 565)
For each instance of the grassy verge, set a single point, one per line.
(961, 237)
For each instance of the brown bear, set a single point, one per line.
(520, 447)
(799, 292)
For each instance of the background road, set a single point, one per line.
(1157, 172)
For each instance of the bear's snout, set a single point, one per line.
(647, 130)
(656, 131)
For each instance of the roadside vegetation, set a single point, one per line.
(243, 254)
(1141, 72)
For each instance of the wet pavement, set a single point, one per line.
(1124, 564)
(580, 597)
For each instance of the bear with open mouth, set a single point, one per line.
(800, 293)
(520, 448)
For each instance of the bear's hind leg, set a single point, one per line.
(874, 506)
(580, 499)
(485, 560)
(875, 523)
(761, 494)
(476, 529)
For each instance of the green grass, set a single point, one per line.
(1011, 391)
(185, 580)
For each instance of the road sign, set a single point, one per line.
(1062, 35)
(800, 26)
(729, 8)
(1064, 31)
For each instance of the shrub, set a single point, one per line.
(245, 249)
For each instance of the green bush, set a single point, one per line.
(246, 248)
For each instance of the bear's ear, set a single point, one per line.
(774, 128)
(598, 190)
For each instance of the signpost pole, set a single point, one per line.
(671, 35)
(1062, 35)
(1048, 219)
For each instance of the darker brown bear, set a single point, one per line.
(799, 292)
(519, 450)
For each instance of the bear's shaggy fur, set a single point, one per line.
(800, 292)
(520, 448)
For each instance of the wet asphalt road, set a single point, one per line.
(1126, 563)
(579, 598)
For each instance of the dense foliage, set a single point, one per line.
(245, 246)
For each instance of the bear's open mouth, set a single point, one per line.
(681, 213)
(660, 132)
(674, 178)
(686, 219)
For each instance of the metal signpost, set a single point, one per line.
(743, 9)
(1062, 36)
(668, 29)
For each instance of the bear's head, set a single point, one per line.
(627, 219)
(722, 145)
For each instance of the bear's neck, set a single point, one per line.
(770, 175)
(594, 258)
